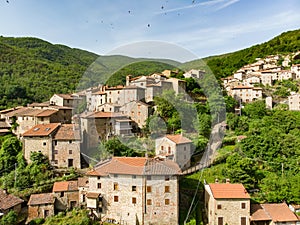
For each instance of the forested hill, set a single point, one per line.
(225, 65)
(32, 69)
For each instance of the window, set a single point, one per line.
(55, 161)
(149, 189)
(44, 143)
(149, 202)
(99, 185)
(167, 189)
(70, 142)
(70, 152)
(169, 150)
(167, 201)
(162, 148)
(243, 220)
(219, 206)
(98, 177)
(167, 178)
(116, 186)
(243, 205)
(115, 175)
(62, 194)
(148, 177)
(133, 188)
(55, 151)
(133, 200)
(116, 198)
(133, 176)
(220, 220)
(83, 198)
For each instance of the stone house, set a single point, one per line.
(246, 93)
(227, 203)
(97, 126)
(135, 190)
(27, 117)
(272, 214)
(286, 75)
(179, 86)
(266, 78)
(9, 202)
(294, 102)
(175, 147)
(39, 139)
(113, 94)
(66, 146)
(296, 69)
(69, 100)
(250, 80)
(83, 186)
(132, 93)
(198, 74)
(98, 98)
(152, 90)
(109, 107)
(66, 194)
(40, 206)
(137, 111)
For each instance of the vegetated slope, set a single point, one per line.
(32, 70)
(224, 65)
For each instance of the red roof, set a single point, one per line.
(8, 201)
(67, 132)
(136, 166)
(228, 190)
(40, 199)
(178, 138)
(65, 186)
(42, 130)
(275, 212)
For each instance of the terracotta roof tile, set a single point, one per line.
(65, 186)
(46, 113)
(39, 199)
(258, 213)
(8, 200)
(178, 138)
(229, 190)
(92, 195)
(67, 132)
(83, 182)
(280, 212)
(42, 130)
(65, 96)
(136, 166)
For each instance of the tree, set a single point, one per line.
(9, 219)
(8, 153)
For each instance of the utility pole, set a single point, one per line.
(15, 184)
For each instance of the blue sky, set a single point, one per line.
(203, 27)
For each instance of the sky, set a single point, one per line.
(199, 28)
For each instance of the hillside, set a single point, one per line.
(31, 69)
(224, 65)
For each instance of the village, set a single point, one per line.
(135, 190)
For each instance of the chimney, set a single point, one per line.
(128, 77)
(227, 181)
